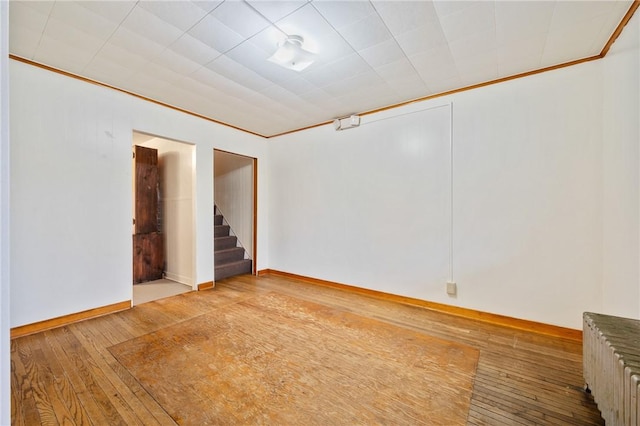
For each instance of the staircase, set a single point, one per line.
(229, 258)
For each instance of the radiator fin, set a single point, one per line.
(611, 357)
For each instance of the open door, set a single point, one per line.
(235, 197)
(148, 247)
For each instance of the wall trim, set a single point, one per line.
(36, 327)
(206, 286)
(625, 20)
(486, 317)
(144, 98)
(452, 92)
(254, 267)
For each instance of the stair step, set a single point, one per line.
(217, 219)
(221, 231)
(232, 269)
(221, 243)
(229, 255)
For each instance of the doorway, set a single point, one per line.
(172, 218)
(235, 198)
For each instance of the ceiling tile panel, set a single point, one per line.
(208, 77)
(240, 17)
(339, 70)
(448, 7)
(43, 7)
(297, 85)
(435, 65)
(469, 21)
(213, 33)
(401, 69)
(248, 54)
(411, 14)
(180, 14)
(442, 86)
(151, 27)
(176, 93)
(206, 5)
(568, 13)
(383, 53)
(146, 84)
(320, 98)
(79, 47)
(343, 13)
(160, 73)
(115, 11)
(310, 24)
(518, 65)
(238, 73)
(276, 74)
(26, 43)
(529, 50)
(135, 43)
(574, 41)
(26, 27)
(422, 38)
(23, 15)
(353, 85)
(106, 70)
(610, 23)
(522, 19)
(62, 55)
(79, 17)
(477, 44)
(113, 53)
(199, 88)
(333, 48)
(477, 69)
(365, 33)
(276, 10)
(268, 39)
(193, 49)
(176, 62)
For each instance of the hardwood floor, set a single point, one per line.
(68, 375)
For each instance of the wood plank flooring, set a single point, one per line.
(68, 376)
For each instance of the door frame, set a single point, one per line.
(193, 190)
(254, 213)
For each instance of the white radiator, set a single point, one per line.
(611, 358)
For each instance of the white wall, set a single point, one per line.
(5, 381)
(364, 205)
(545, 211)
(175, 165)
(233, 194)
(621, 159)
(71, 190)
(528, 196)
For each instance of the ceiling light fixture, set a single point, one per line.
(291, 55)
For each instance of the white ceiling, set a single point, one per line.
(210, 57)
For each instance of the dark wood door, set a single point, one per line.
(148, 257)
(146, 187)
(148, 246)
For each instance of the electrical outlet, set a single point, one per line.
(452, 288)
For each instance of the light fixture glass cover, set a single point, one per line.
(291, 55)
